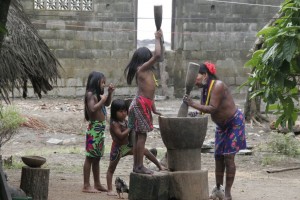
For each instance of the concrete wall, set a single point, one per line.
(104, 39)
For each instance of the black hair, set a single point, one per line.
(140, 56)
(93, 85)
(204, 70)
(117, 105)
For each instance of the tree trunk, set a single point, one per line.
(4, 6)
(35, 182)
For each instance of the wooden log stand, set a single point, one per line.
(179, 185)
(4, 191)
(149, 187)
(35, 182)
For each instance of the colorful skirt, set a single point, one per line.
(118, 151)
(140, 115)
(95, 136)
(230, 136)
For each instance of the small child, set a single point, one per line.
(141, 108)
(95, 112)
(120, 146)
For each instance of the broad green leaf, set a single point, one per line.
(269, 53)
(268, 31)
(289, 48)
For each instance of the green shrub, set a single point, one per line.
(285, 144)
(10, 121)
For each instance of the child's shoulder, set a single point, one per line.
(114, 123)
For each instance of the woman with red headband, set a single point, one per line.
(230, 131)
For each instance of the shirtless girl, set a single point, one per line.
(142, 106)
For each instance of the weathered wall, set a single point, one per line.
(219, 32)
(104, 39)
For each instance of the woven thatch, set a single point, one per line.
(25, 57)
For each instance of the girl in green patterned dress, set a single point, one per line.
(95, 112)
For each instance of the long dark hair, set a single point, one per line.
(93, 85)
(140, 56)
(116, 106)
(204, 70)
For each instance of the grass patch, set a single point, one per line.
(13, 164)
(270, 160)
(285, 144)
(51, 150)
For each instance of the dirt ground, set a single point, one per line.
(62, 120)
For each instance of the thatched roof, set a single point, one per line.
(24, 57)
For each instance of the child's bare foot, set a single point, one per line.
(142, 170)
(162, 168)
(111, 193)
(89, 189)
(100, 188)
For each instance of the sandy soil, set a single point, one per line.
(63, 120)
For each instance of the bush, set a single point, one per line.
(285, 144)
(10, 121)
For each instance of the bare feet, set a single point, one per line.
(111, 193)
(100, 188)
(142, 170)
(162, 168)
(89, 189)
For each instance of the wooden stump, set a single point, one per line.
(149, 187)
(4, 190)
(35, 182)
(189, 185)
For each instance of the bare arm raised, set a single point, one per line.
(93, 103)
(157, 53)
(111, 88)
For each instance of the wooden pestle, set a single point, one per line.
(158, 20)
(190, 79)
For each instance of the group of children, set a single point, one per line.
(216, 101)
(139, 119)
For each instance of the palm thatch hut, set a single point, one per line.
(24, 57)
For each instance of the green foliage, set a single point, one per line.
(276, 66)
(10, 118)
(285, 144)
(10, 121)
(2, 29)
(269, 160)
(14, 165)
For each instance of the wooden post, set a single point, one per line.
(35, 182)
(4, 192)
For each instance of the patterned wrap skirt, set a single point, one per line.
(118, 151)
(95, 136)
(140, 115)
(230, 136)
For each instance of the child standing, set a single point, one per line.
(95, 112)
(140, 111)
(120, 146)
